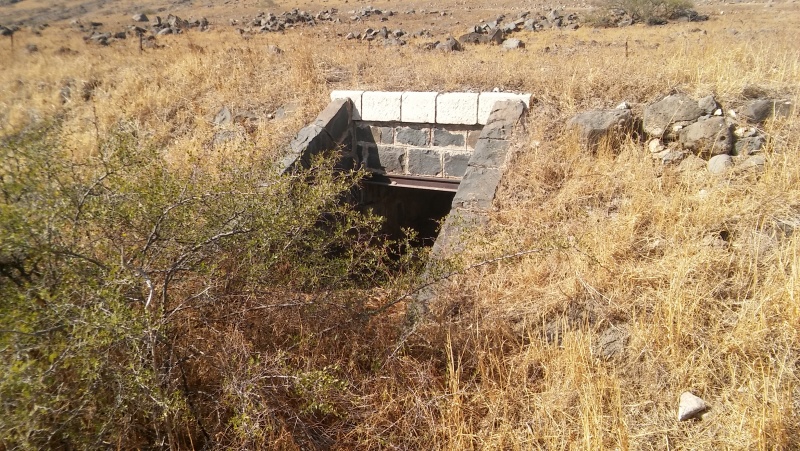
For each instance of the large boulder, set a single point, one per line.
(676, 109)
(592, 127)
(708, 138)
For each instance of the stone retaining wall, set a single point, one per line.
(425, 134)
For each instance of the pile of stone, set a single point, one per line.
(176, 25)
(369, 11)
(268, 22)
(157, 27)
(494, 32)
(687, 132)
(396, 37)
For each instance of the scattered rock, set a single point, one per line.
(597, 125)
(140, 18)
(719, 164)
(690, 406)
(31, 48)
(710, 137)
(223, 117)
(450, 45)
(753, 162)
(748, 146)
(708, 105)
(511, 44)
(676, 109)
(760, 110)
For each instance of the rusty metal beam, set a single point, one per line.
(407, 181)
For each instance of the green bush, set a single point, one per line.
(102, 256)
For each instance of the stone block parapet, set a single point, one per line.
(452, 108)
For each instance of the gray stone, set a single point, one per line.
(286, 110)
(490, 153)
(504, 116)
(444, 138)
(223, 116)
(760, 110)
(719, 164)
(595, 126)
(310, 141)
(512, 44)
(385, 158)
(674, 157)
(675, 109)
(413, 136)
(754, 162)
(455, 164)
(747, 146)
(368, 134)
(708, 104)
(472, 138)
(450, 45)
(140, 18)
(336, 118)
(426, 162)
(477, 188)
(690, 406)
(710, 137)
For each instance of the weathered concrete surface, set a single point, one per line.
(419, 107)
(381, 106)
(330, 129)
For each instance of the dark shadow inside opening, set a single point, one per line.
(422, 210)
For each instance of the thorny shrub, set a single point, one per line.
(146, 305)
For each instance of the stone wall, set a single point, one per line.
(423, 134)
(332, 129)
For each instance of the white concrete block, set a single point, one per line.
(381, 106)
(355, 96)
(457, 108)
(487, 100)
(419, 107)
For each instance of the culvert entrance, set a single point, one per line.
(408, 206)
(434, 158)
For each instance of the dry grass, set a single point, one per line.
(694, 273)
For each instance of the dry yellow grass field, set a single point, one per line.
(693, 273)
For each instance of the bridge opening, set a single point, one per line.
(414, 203)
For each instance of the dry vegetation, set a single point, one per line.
(696, 274)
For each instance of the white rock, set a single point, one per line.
(718, 112)
(690, 406)
(623, 106)
(655, 145)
